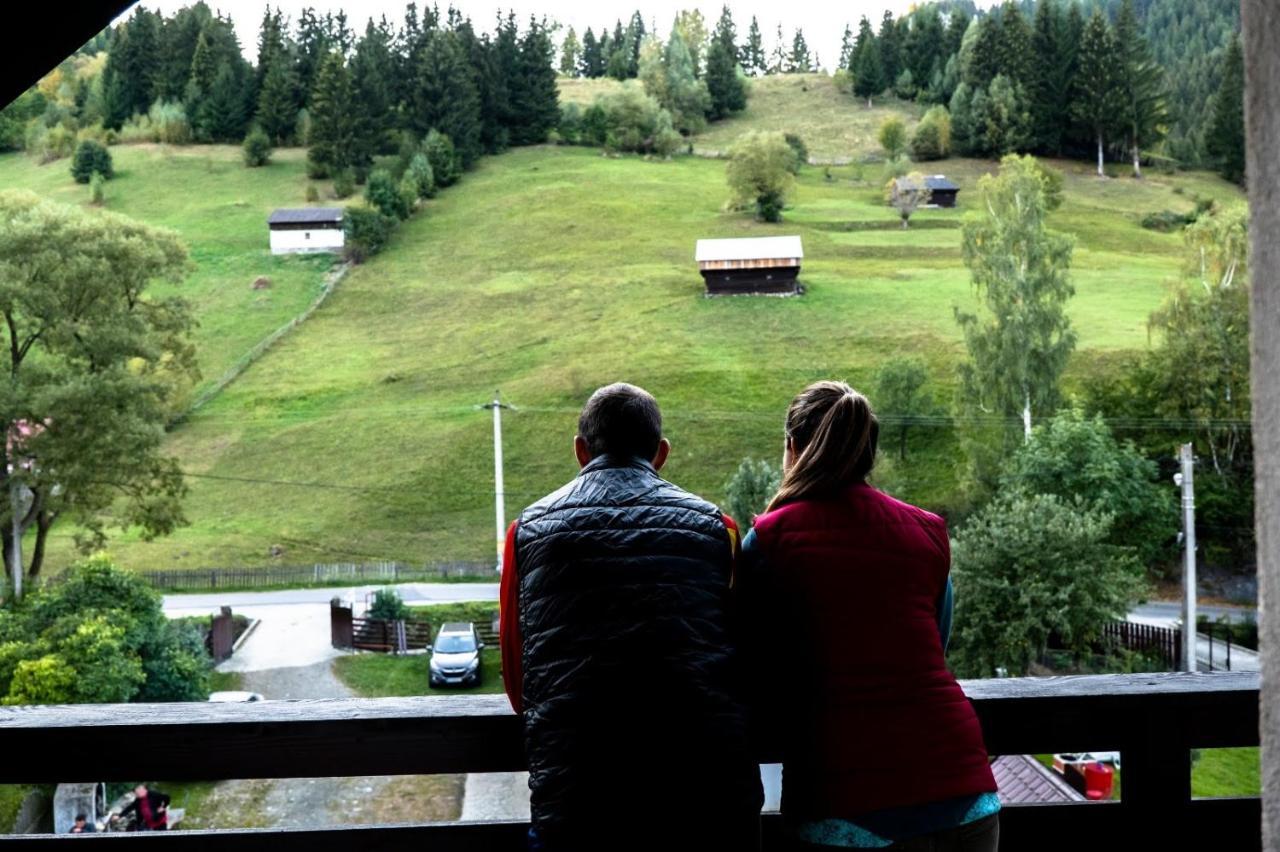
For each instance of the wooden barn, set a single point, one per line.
(306, 229)
(768, 265)
(942, 192)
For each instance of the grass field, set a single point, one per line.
(220, 209)
(545, 273)
(834, 125)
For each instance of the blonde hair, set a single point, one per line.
(833, 434)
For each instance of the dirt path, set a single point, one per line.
(321, 802)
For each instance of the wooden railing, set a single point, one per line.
(1153, 720)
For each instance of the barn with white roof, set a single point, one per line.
(768, 265)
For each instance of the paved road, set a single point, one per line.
(1169, 613)
(412, 593)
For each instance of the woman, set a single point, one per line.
(847, 595)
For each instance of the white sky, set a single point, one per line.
(823, 22)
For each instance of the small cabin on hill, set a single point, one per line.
(306, 229)
(942, 192)
(768, 265)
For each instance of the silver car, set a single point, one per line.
(455, 656)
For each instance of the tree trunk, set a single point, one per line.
(44, 522)
(1101, 173)
(868, 102)
(1137, 162)
(905, 220)
(1026, 417)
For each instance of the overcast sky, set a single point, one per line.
(823, 22)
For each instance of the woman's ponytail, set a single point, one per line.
(833, 434)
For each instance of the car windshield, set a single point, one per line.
(457, 643)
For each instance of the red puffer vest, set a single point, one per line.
(878, 721)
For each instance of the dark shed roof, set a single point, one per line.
(934, 182)
(305, 215)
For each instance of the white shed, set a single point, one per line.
(306, 229)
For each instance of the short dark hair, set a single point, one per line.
(81, 818)
(621, 420)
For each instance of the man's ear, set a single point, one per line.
(660, 457)
(581, 450)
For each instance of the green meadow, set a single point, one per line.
(545, 273)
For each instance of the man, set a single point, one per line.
(616, 649)
(82, 825)
(150, 809)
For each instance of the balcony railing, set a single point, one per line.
(1152, 720)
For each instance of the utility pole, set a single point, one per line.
(499, 493)
(1186, 480)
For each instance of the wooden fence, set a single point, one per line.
(375, 634)
(210, 579)
(1153, 720)
(1162, 643)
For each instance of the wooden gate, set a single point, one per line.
(222, 635)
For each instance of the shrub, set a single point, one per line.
(843, 80)
(1165, 221)
(97, 190)
(906, 195)
(905, 86)
(801, 151)
(569, 129)
(749, 490)
(409, 193)
(136, 130)
(893, 137)
(760, 172)
(367, 231)
(388, 606)
(1051, 179)
(446, 167)
(91, 157)
(313, 194)
(344, 184)
(631, 121)
(419, 171)
(932, 138)
(303, 128)
(169, 123)
(257, 149)
(47, 144)
(382, 193)
(97, 133)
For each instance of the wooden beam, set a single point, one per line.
(1212, 824)
(1261, 24)
(430, 735)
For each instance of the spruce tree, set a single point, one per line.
(753, 58)
(277, 113)
(1144, 113)
(220, 113)
(635, 35)
(1016, 59)
(890, 58)
(332, 119)
(372, 72)
(271, 48)
(799, 61)
(868, 75)
(536, 101)
(1098, 99)
(922, 51)
(981, 60)
(446, 99)
(957, 25)
(491, 88)
(590, 55)
(133, 65)
(570, 51)
(847, 49)
(778, 58)
(728, 95)
(313, 50)
(1050, 89)
(1224, 138)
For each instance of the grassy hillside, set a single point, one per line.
(835, 126)
(220, 208)
(548, 272)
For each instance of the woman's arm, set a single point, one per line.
(946, 606)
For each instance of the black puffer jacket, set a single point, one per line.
(634, 728)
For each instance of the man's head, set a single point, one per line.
(140, 790)
(621, 420)
(81, 819)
